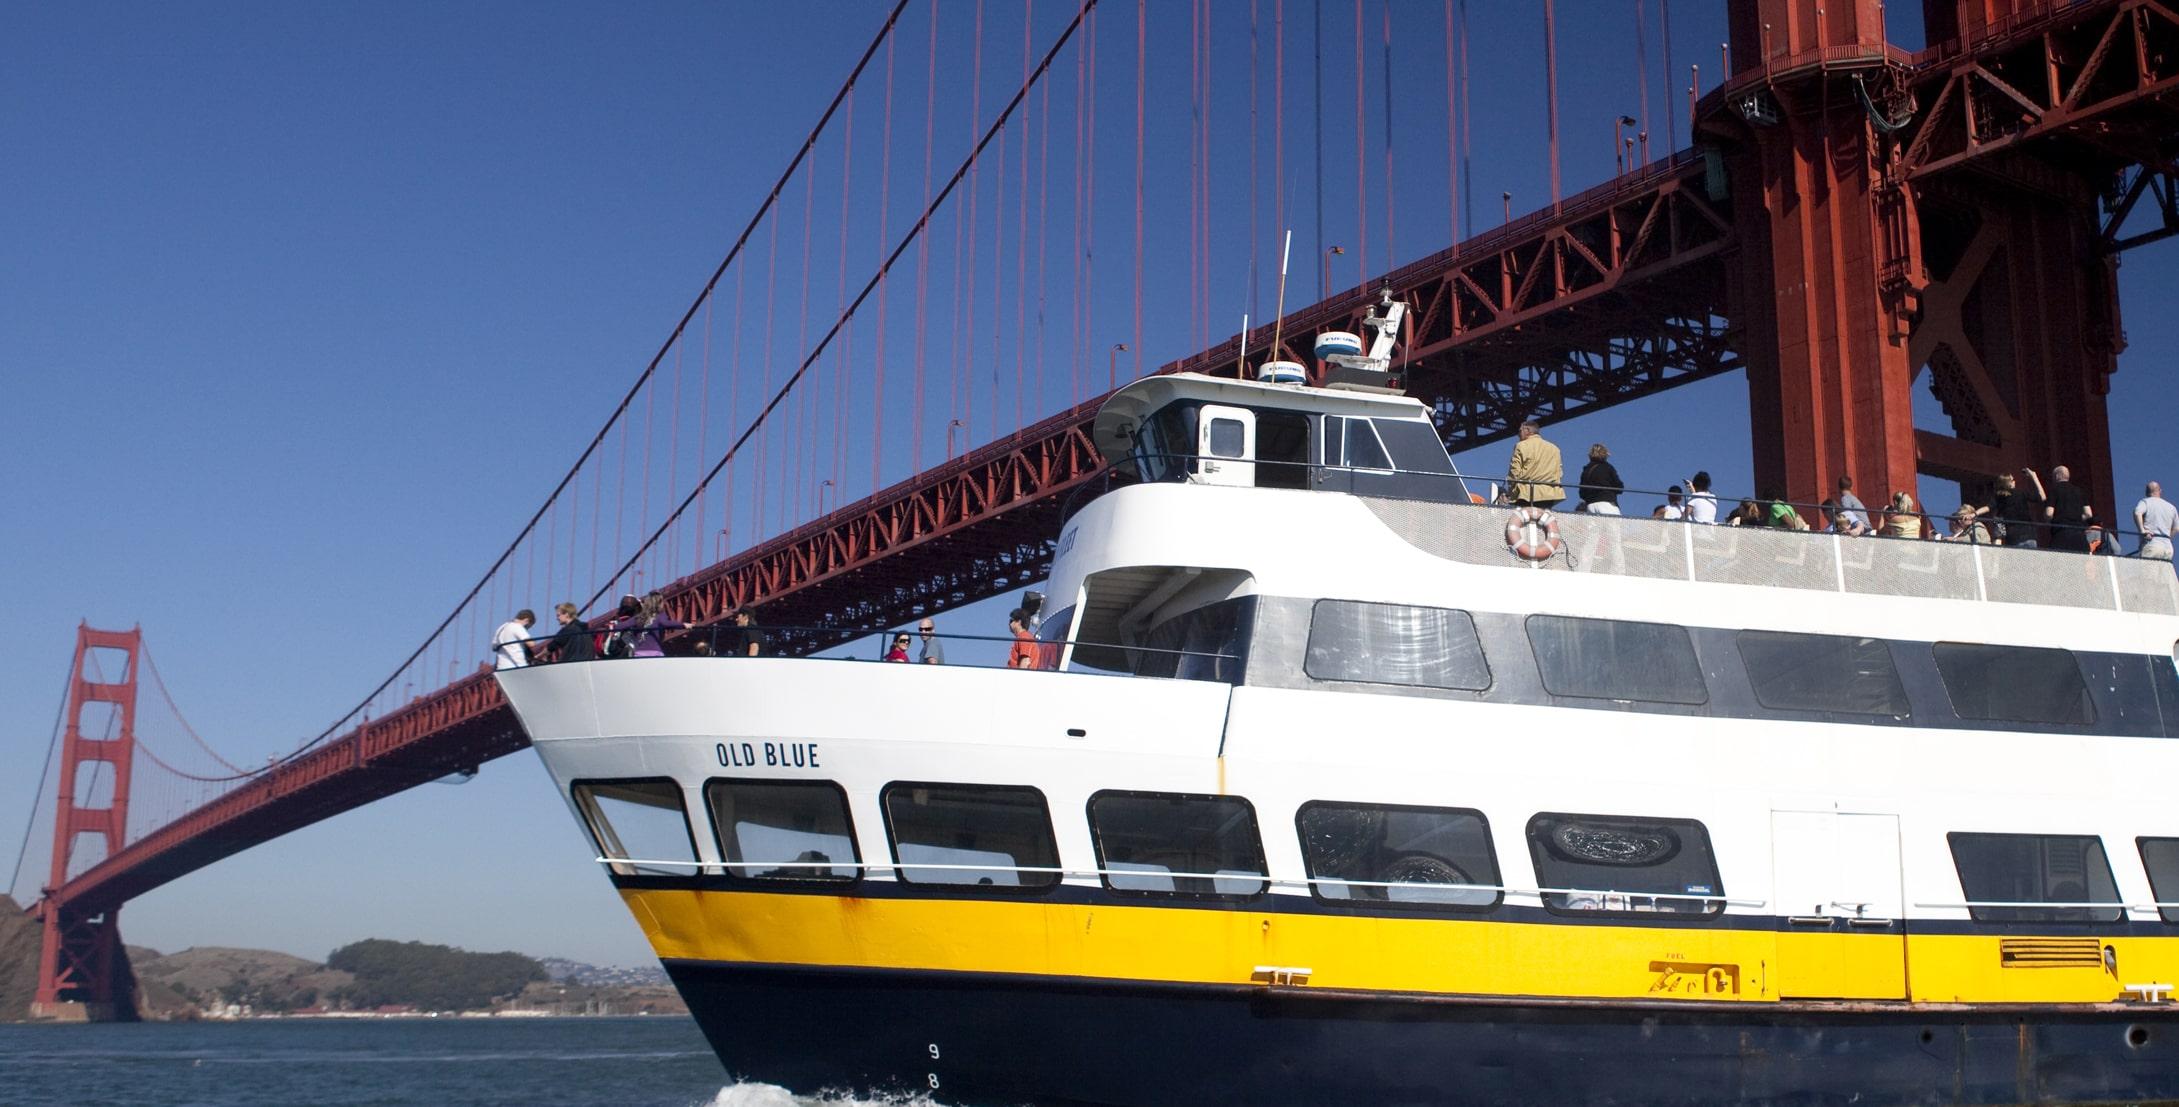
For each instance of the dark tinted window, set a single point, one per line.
(1282, 449)
(2035, 868)
(971, 834)
(2014, 684)
(1398, 855)
(1415, 447)
(1180, 844)
(1228, 437)
(1384, 643)
(1822, 672)
(1625, 865)
(1207, 643)
(1614, 660)
(639, 820)
(2161, 857)
(784, 829)
(1363, 449)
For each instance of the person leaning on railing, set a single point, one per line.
(572, 642)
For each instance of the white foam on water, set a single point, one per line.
(772, 1095)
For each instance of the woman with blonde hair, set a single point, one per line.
(1900, 519)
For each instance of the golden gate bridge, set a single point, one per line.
(1846, 221)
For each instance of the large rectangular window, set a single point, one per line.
(1388, 643)
(1822, 672)
(784, 830)
(1156, 842)
(1376, 853)
(2014, 684)
(638, 825)
(1615, 660)
(972, 834)
(1625, 865)
(2013, 873)
(2161, 857)
(1204, 643)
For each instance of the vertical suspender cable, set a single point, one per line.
(1142, 54)
(1452, 133)
(998, 277)
(923, 248)
(1664, 33)
(1322, 290)
(1391, 239)
(702, 541)
(1467, 133)
(1021, 233)
(1081, 173)
(1551, 94)
(1044, 222)
(1278, 117)
(877, 368)
(967, 367)
(1361, 156)
(1641, 73)
(1089, 201)
(1254, 180)
(840, 358)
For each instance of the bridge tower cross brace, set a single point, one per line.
(82, 970)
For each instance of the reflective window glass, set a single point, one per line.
(784, 829)
(1227, 438)
(1363, 449)
(1385, 643)
(1822, 672)
(971, 834)
(1625, 865)
(1616, 660)
(2014, 684)
(2028, 869)
(2161, 857)
(1374, 853)
(1177, 844)
(638, 821)
(1415, 447)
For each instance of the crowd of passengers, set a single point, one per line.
(2020, 508)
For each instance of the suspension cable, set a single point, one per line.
(52, 747)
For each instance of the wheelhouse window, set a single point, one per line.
(1403, 856)
(1620, 864)
(2161, 857)
(2010, 875)
(1415, 446)
(2014, 684)
(971, 834)
(1177, 844)
(1615, 660)
(1384, 643)
(1822, 672)
(640, 826)
(784, 830)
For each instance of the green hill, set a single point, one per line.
(429, 977)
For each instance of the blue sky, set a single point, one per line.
(306, 307)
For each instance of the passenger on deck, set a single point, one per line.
(2155, 518)
(2017, 513)
(1672, 510)
(1748, 514)
(934, 650)
(744, 638)
(1023, 653)
(899, 650)
(511, 642)
(1600, 483)
(647, 629)
(1900, 519)
(618, 640)
(1701, 505)
(572, 642)
(1782, 515)
(1966, 527)
(1851, 508)
(1533, 478)
(1838, 520)
(2067, 511)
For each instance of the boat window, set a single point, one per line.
(1363, 449)
(2035, 869)
(639, 821)
(1167, 843)
(1207, 643)
(1333, 454)
(1822, 672)
(1229, 438)
(2014, 684)
(1374, 853)
(2161, 857)
(1415, 447)
(1615, 660)
(973, 834)
(1389, 643)
(1166, 442)
(1282, 449)
(1625, 865)
(784, 830)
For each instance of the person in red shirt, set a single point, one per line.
(899, 652)
(1023, 653)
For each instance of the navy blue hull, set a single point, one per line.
(1008, 1040)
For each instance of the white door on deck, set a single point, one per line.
(1226, 445)
(1841, 905)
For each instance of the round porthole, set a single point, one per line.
(2137, 1036)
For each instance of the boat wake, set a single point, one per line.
(772, 1095)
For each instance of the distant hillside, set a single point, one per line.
(212, 977)
(577, 972)
(429, 977)
(19, 939)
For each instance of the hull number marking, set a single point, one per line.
(771, 755)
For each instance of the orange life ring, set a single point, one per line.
(1533, 534)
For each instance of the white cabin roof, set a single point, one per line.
(1125, 411)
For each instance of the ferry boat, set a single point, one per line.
(1334, 784)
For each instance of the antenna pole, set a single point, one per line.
(1240, 356)
(1286, 254)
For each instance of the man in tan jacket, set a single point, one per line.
(1534, 476)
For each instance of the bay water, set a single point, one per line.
(571, 1062)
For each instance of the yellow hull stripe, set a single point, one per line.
(1463, 956)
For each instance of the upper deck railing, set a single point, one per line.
(1435, 513)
